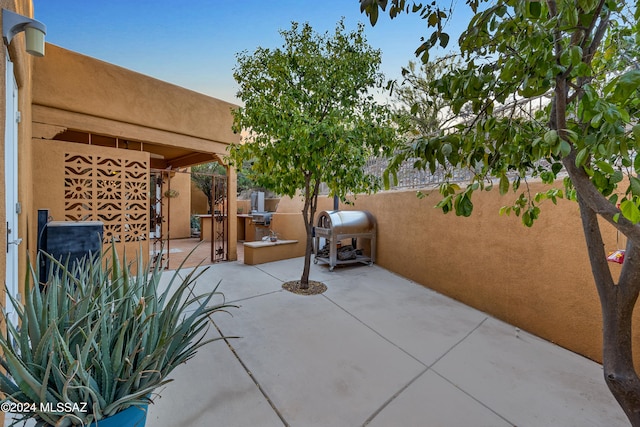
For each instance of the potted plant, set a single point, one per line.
(195, 226)
(171, 194)
(94, 341)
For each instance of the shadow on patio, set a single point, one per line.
(375, 349)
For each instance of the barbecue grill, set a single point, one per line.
(336, 226)
(262, 218)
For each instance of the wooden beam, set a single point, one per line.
(43, 115)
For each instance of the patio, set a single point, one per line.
(192, 251)
(375, 349)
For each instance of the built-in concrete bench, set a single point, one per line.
(267, 251)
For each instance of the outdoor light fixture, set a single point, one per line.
(12, 24)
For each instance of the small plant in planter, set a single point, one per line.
(195, 225)
(95, 340)
(171, 194)
(272, 237)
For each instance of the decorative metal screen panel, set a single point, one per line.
(219, 218)
(108, 189)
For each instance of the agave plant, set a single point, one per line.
(100, 334)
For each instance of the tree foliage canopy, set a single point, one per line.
(310, 112)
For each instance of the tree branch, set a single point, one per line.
(593, 199)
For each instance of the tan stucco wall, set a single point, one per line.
(199, 203)
(245, 205)
(179, 207)
(538, 279)
(23, 73)
(77, 92)
(69, 81)
(23, 64)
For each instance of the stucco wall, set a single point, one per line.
(23, 73)
(22, 63)
(538, 279)
(179, 207)
(199, 203)
(77, 92)
(132, 97)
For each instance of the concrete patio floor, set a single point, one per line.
(377, 350)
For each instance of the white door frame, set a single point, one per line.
(11, 188)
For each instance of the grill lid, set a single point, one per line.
(261, 217)
(347, 222)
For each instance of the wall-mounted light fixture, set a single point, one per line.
(12, 24)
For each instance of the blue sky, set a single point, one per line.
(193, 44)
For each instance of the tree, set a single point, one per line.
(201, 175)
(311, 116)
(583, 55)
(417, 111)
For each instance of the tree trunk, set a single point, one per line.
(617, 302)
(619, 372)
(308, 212)
(304, 280)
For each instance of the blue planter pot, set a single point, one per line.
(133, 416)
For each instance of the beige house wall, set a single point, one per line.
(71, 82)
(538, 279)
(22, 63)
(179, 207)
(199, 203)
(179, 127)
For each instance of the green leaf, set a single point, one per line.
(503, 186)
(576, 55)
(565, 58)
(565, 148)
(634, 183)
(581, 157)
(433, 19)
(463, 205)
(444, 39)
(605, 167)
(445, 204)
(630, 211)
(626, 85)
(534, 8)
(636, 133)
(572, 16)
(636, 164)
(551, 137)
